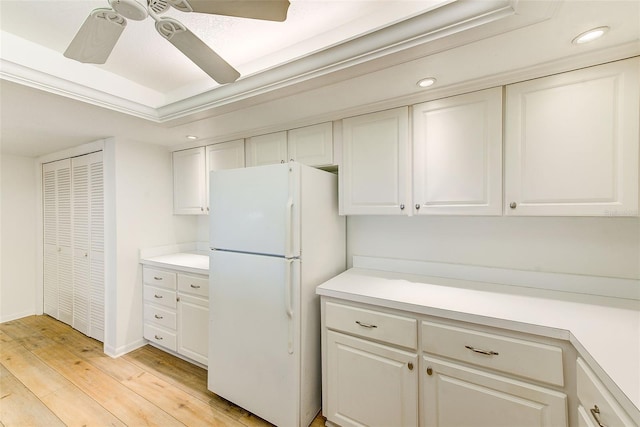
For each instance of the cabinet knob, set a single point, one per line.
(402, 207)
(201, 209)
(513, 205)
(417, 206)
(429, 370)
(410, 366)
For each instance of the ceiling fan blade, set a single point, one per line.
(269, 10)
(96, 37)
(197, 50)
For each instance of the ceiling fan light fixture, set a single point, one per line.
(130, 9)
(591, 35)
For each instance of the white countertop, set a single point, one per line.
(605, 331)
(189, 262)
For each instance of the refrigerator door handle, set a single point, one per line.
(289, 230)
(289, 304)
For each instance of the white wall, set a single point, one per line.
(607, 247)
(143, 215)
(18, 237)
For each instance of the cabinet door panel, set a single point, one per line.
(370, 384)
(571, 143)
(457, 154)
(312, 145)
(266, 149)
(193, 323)
(454, 395)
(375, 164)
(189, 181)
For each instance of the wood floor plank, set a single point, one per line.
(125, 404)
(19, 406)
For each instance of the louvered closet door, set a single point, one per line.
(81, 239)
(96, 247)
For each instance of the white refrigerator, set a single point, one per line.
(275, 236)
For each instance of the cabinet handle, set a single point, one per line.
(158, 338)
(195, 286)
(366, 325)
(157, 278)
(478, 350)
(595, 412)
(402, 207)
(157, 296)
(410, 366)
(158, 316)
(513, 205)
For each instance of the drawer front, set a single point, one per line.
(371, 324)
(159, 278)
(160, 336)
(528, 359)
(195, 285)
(159, 296)
(592, 393)
(160, 316)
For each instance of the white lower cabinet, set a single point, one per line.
(372, 384)
(176, 312)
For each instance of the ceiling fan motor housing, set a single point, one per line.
(158, 6)
(130, 9)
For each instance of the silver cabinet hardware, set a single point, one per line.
(157, 316)
(478, 350)
(429, 370)
(402, 207)
(417, 206)
(595, 411)
(157, 278)
(366, 325)
(158, 338)
(195, 286)
(410, 366)
(157, 296)
(513, 205)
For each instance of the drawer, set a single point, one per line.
(196, 285)
(160, 336)
(528, 359)
(163, 297)
(389, 328)
(159, 278)
(160, 316)
(592, 393)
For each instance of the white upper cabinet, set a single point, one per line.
(571, 143)
(191, 173)
(311, 145)
(457, 155)
(189, 181)
(375, 170)
(266, 149)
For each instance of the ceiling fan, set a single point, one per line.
(101, 30)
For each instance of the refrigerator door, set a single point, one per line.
(254, 345)
(256, 210)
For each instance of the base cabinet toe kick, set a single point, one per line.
(386, 367)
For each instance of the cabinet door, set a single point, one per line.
(311, 145)
(227, 155)
(457, 155)
(571, 143)
(375, 168)
(369, 383)
(266, 149)
(455, 395)
(189, 181)
(193, 328)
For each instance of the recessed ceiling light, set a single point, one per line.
(429, 81)
(192, 137)
(590, 35)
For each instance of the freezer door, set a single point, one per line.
(254, 345)
(256, 210)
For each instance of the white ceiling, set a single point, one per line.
(329, 56)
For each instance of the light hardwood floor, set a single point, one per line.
(52, 375)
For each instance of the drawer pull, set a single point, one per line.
(157, 296)
(595, 411)
(157, 316)
(195, 286)
(157, 278)
(478, 350)
(366, 325)
(158, 338)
